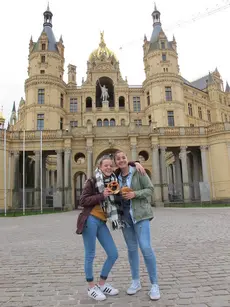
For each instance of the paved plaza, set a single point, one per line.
(42, 261)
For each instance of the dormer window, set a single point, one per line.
(43, 59)
(43, 46)
(162, 45)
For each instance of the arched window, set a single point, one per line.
(99, 123)
(121, 102)
(122, 122)
(88, 103)
(112, 122)
(106, 122)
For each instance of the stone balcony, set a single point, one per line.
(118, 131)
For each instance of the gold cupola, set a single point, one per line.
(102, 52)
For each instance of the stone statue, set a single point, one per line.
(104, 92)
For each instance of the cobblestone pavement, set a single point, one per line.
(42, 261)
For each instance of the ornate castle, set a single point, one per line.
(179, 130)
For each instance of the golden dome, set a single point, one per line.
(2, 118)
(102, 52)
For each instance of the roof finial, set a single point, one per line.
(155, 6)
(48, 6)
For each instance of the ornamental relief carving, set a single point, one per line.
(104, 67)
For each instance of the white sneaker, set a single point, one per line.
(96, 294)
(135, 286)
(108, 289)
(154, 293)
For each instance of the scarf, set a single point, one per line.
(108, 205)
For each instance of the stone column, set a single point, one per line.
(9, 199)
(58, 199)
(37, 180)
(184, 164)
(68, 190)
(178, 179)
(52, 178)
(133, 152)
(196, 176)
(47, 178)
(16, 180)
(89, 162)
(204, 163)
(164, 174)
(156, 175)
(44, 188)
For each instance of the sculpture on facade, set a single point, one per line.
(104, 92)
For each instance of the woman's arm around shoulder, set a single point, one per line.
(89, 197)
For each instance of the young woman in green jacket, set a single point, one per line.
(137, 213)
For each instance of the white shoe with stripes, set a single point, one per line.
(108, 289)
(96, 294)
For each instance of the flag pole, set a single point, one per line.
(41, 170)
(23, 170)
(5, 195)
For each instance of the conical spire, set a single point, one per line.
(14, 108)
(227, 90)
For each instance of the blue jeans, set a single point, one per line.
(95, 228)
(139, 234)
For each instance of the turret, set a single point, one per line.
(72, 75)
(160, 55)
(46, 56)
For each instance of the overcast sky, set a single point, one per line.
(203, 44)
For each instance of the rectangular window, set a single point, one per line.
(162, 45)
(73, 123)
(168, 93)
(171, 119)
(61, 101)
(40, 121)
(209, 115)
(43, 46)
(200, 112)
(164, 57)
(41, 96)
(42, 72)
(138, 122)
(73, 105)
(192, 125)
(43, 59)
(136, 104)
(226, 118)
(190, 111)
(148, 99)
(61, 123)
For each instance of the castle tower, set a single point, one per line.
(45, 88)
(163, 85)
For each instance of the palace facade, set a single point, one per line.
(179, 130)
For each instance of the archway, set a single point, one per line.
(109, 85)
(79, 180)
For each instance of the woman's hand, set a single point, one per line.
(129, 195)
(107, 192)
(140, 168)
